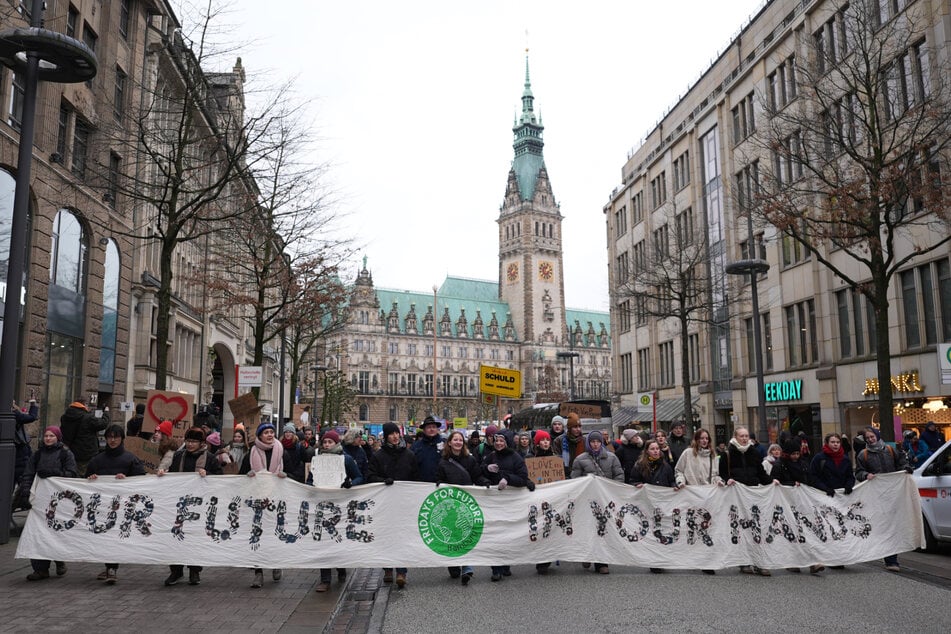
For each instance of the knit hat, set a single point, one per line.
(239, 427)
(541, 435)
(474, 434)
(351, 436)
(195, 433)
(289, 427)
(628, 435)
(390, 428)
(878, 434)
(264, 427)
(56, 431)
(525, 433)
(332, 435)
(491, 430)
(573, 420)
(791, 446)
(595, 435)
(114, 430)
(214, 439)
(557, 419)
(165, 427)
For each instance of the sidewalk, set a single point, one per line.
(139, 602)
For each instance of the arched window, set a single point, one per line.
(110, 314)
(7, 190)
(364, 412)
(66, 313)
(394, 413)
(68, 253)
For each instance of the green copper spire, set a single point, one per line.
(528, 142)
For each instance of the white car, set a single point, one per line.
(934, 487)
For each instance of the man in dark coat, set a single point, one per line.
(134, 427)
(391, 463)
(81, 430)
(677, 440)
(428, 450)
(22, 439)
(116, 461)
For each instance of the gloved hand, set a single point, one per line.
(388, 481)
(503, 483)
(831, 493)
(346, 484)
(909, 469)
(847, 490)
(493, 468)
(530, 486)
(437, 484)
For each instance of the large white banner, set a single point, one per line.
(271, 522)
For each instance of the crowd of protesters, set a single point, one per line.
(495, 458)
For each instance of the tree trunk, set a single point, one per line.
(164, 296)
(685, 375)
(883, 358)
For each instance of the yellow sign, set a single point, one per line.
(460, 423)
(500, 381)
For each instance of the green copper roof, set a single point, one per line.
(528, 143)
(476, 297)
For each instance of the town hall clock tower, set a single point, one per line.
(530, 261)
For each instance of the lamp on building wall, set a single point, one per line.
(36, 54)
(753, 267)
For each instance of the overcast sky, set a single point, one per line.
(415, 101)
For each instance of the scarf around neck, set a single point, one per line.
(739, 447)
(259, 457)
(836, 456)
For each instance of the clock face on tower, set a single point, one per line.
(545, 271)
(511, 273)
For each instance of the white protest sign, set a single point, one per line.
(268, 521)
(329, 470)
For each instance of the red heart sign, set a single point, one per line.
(172, 408)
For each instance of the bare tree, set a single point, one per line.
(283, 264)
(187, 169)
(850, 161)
(668, 279)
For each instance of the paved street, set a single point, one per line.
(861, 598)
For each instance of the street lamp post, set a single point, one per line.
(39, 54)
(435, 326)
(317, 418)
(753, 267)
(571, 371)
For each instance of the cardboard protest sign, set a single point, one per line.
(545, 469)
(146, 451)
(246, 410)
(328, 470)
(174, 406)
(583, 410)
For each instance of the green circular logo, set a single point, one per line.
(450, 522)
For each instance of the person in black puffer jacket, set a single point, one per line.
(459, 467)
(81, 431)
(503, 467)
(653, 468)
(789, 469)
(51, 459)
(114, 460)
(391, 463)
(743, 463)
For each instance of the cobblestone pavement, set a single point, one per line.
(140, 603)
